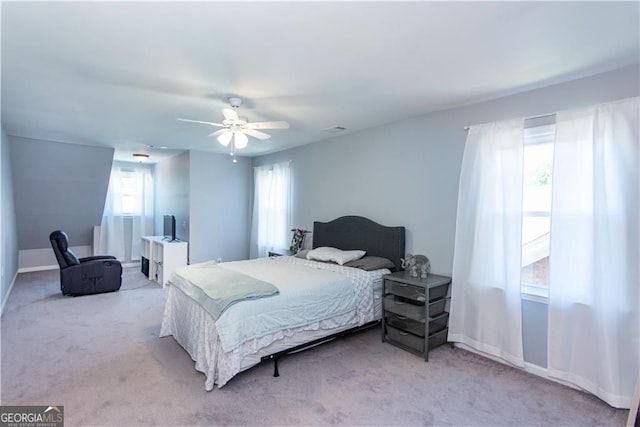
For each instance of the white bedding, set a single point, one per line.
(306, 295)
(216, 288)
(318, 299)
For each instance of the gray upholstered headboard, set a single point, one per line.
(356, 232)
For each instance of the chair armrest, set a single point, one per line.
(95, 258)
(91, 267)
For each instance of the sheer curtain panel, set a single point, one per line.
(128, 213)
(594, 326)
(270, 225)
(486, 302)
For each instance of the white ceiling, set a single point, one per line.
(119, 74)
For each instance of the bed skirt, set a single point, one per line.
(194, 329)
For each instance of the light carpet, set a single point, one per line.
(100, 357)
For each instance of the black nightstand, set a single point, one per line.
(414, 311)
(280, 252)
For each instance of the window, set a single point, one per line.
(271, 209)
(130, 190)
(128, 212)
(536, 209)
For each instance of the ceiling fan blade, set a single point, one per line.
(200, 121)
(230, 114)
(268, 125)
(219, 132)
(256, 134)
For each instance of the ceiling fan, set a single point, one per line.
(235, 128)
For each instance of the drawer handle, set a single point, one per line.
(401, 317)
(403, 333)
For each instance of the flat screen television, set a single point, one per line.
(169, 232)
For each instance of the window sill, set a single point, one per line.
(534, 293)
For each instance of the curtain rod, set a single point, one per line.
(539, 116)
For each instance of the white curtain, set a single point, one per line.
(486, 302)
(594, 326)
(128, 213)
(271, 225)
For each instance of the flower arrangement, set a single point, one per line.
(298, 239)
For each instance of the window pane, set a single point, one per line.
(535, 250)
(536, 274)
(536, 206)
(533, 228)
(126, 184)
(128, 194)
(127, 204)
(538, 164)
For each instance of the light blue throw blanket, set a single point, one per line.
(216, 288)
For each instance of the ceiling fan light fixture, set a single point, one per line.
(236, 130)
(225, 138)
(140, 157)
(240, 140)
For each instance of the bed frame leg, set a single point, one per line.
(275, 367)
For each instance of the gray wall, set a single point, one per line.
(57, 186)
(171, 181)
(8, 228)
(219, 207)
(407, 173)
(209, 196)
(534, 332)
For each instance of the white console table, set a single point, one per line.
(161, 257)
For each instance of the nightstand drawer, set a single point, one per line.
(401, 322)
(439, 323)
(415, 342)
(438, 338)
(436, 308)
(414, 292)
(405, 338)
(407, 291)
(438, 292)
(403, 308)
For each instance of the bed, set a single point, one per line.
(315, 301)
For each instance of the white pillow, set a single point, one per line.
(326, 253)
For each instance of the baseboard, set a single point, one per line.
(6, 297)
(56, 267)
(38, 268)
